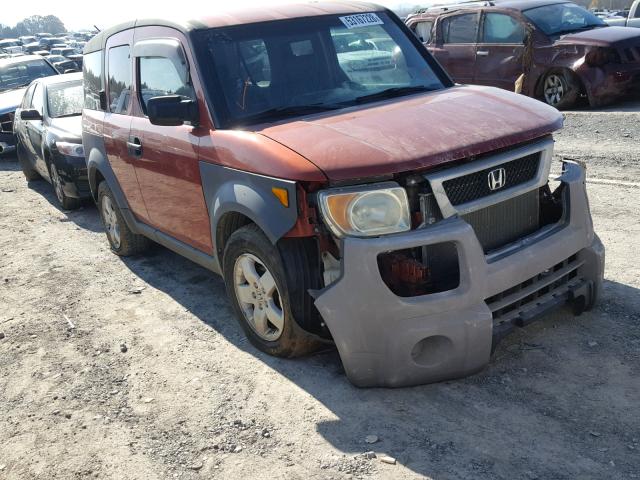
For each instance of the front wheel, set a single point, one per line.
(67, 203)
(29, 172)
(257, 287)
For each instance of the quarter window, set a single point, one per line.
(159, 77)
(500, 28)
(423, 31)
(92, 74)
(119, 82)
(461, 28)
(38, 99)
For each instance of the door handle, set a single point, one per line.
(482, 53)
(134, 146)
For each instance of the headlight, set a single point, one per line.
(366, 211)
(70, 149)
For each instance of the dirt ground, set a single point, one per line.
(191, 398)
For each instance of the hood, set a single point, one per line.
(604, 37)
(10, 100)
(415, 132)
(67, 128)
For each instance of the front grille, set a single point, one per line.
(522, 302)
(6, 123)
(473, 186)
(505, 222)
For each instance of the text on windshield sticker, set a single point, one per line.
(361, 20)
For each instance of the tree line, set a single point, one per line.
(34, 24)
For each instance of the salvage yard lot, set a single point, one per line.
(136, 368)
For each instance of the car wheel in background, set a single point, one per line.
(122, 240)
(68, 203)
(257, 288)
(560, 89)
(29, 173)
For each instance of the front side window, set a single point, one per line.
(561, 18)
(119, 79)
(501, 28)
(65, 99)
(423, 31)
(38, 98)
(19, 75)
(273, 70)
(92, 75)
(26, 100)
(460, 28)
(159, 77)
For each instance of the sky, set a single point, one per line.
(79, 14)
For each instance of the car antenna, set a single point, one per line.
(97, 28)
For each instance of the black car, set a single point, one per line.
(15, 75)
(49, 136)
(63, 64)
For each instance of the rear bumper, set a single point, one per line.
(610, 82)
(386, 340)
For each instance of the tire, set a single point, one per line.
(67, 203)
(29, 173)
(262, 302)
(122, 240)
(560, 89)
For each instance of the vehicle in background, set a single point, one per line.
(11, 45)
(63, 64)
(32, 47)
(15, 76)
(552, 50)
(41, 35)
(77, 59)
(47, 43)
(48, 133)
(403, 217)
(64, 51)
(631, 19)
(26, 39)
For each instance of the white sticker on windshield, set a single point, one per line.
(361, 20)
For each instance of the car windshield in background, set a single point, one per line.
(65, 99)
(280, 69)
(17, 75)
(561, 18)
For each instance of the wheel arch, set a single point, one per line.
(540, 80)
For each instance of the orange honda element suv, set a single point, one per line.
(318, 158)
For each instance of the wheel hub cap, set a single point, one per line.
(111, 221)
(258, 297)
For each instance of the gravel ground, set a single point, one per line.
(135, 368)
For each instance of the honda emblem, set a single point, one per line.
(497, 179)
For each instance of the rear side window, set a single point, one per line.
(460, 29)
(159, 77)
(423, 31)
(500, 28)
(119, 80)
(92, 74)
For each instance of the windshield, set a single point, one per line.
(65, 99)
(562, 18)
(271, 70)
(16, 75)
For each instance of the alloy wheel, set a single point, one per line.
(258, 297)
(57, 184)
(554, 89)
(111, 221)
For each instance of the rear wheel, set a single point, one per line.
(29, 173)
(122, 240)
(560, 89)
(68, 203)
(257, 287)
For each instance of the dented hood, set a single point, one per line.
(604, 37)
(415, 132)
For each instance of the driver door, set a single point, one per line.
(35, 132)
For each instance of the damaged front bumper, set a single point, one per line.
(387, 340)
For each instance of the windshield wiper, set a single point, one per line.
(289, 110)
(68, 115)
(392, 92)
(579, 29)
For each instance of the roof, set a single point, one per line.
(519, 5)
(238, 15)
(63, 78)
(526, 4)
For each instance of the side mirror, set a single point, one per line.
(172, 110)
(30, 114)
